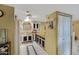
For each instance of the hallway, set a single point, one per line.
(31, 49)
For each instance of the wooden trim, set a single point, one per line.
(57, 34)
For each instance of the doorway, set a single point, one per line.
(64, 35)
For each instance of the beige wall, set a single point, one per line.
(7, 22)
(50, 37)
(76, 28)
(42, 30)
(49, 34)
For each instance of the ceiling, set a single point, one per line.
(39, 11)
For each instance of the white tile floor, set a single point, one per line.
(75, 47)
(38, 49)
(31, 50)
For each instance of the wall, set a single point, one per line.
(50, 37)
(42, 29)
(49, 34)
(76, 28)
(7, 22)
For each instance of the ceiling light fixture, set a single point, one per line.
(28, 16)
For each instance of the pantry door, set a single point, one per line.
(64, 35)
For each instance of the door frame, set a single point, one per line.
(66, 15)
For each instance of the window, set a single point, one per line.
(29, 38)
(33, 25)
(25, 38)
(37, 25)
